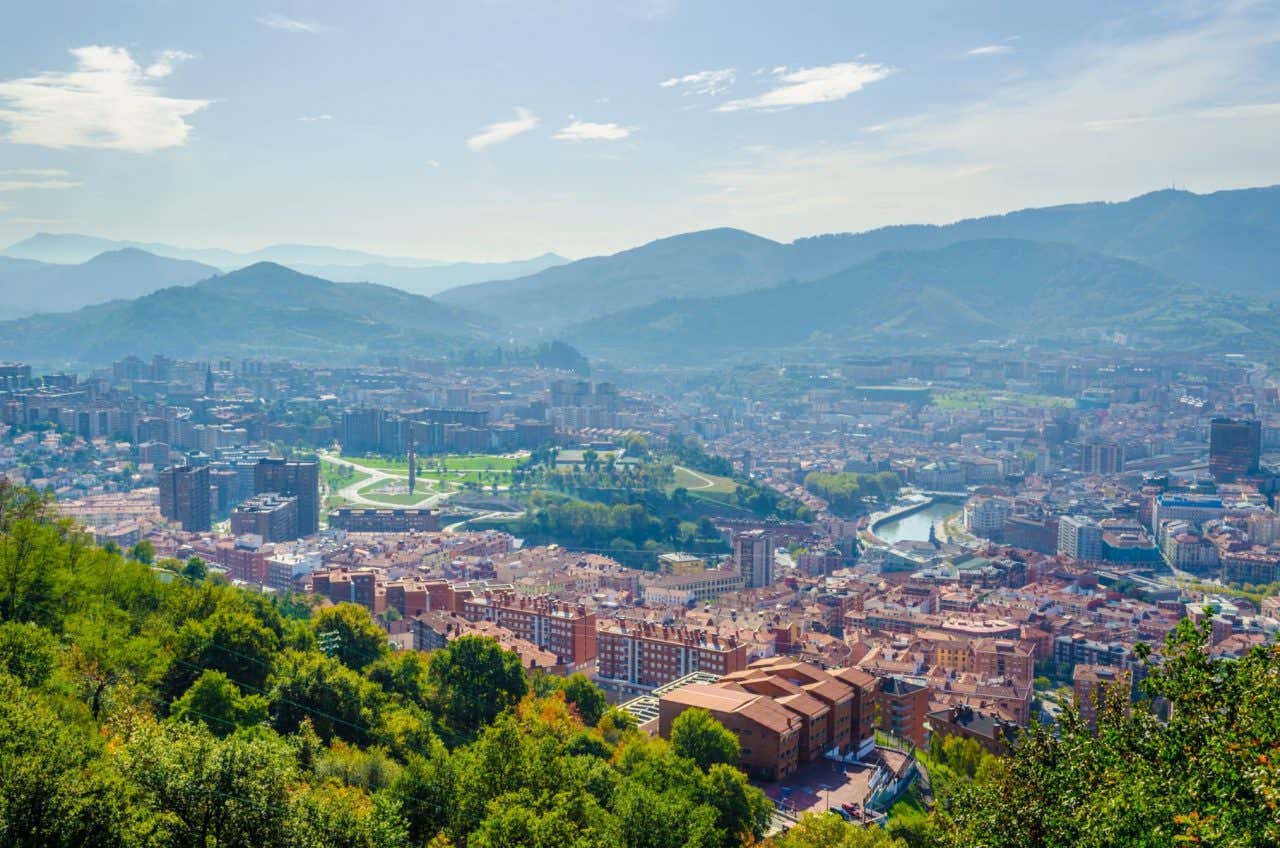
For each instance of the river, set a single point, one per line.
(915, 526)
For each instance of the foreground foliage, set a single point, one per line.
(138, 708)
(1209, 775)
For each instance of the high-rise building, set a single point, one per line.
(185, 496)
(753, 555)
(298, 479)
(1101, 457)
(272, 516)
(1235, 447)
(1080, 537)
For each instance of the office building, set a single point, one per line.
(985, 516)
(1101, 457)
(185, 496)
(297, 479)
(1235, 448)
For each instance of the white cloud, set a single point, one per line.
(107, 102)
(34, 172)
(702, 82)
(433, 163)
(163, 65)
(588, 131)
(989, 50)
(36, 184)
(313, 118)
(1115, 118)
(1112, 117)
(286, 24)
(501, 131)
(803, 86)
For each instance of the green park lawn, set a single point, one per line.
(695, 483)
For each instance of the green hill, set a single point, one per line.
(708, 263)
(1000, 290)
(28, 287)
(262, 310)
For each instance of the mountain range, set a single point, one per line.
(1228, 242)
(73, 249)
(262, 310)
(995, 290)
(433, 279)
(59, 273)
(1167, 270)
(28, 287)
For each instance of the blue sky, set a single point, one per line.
(494, 130)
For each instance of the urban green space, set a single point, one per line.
(702, 483)
(988, 398)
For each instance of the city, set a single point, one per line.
(652, 425)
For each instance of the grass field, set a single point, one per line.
(481, 469)
(694, 482)
(987, 398)
(371, 492)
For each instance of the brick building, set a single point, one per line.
(768, 734)
(566, 630)
(638, 656)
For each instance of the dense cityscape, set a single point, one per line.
(836, 561)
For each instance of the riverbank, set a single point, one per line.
(876, 532)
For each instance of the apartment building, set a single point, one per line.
(639, 656)
(566, 630)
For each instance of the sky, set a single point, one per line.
(502, 129)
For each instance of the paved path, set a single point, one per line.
(707, 482)
(351, 492)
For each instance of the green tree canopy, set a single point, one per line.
(697, 735)
(474, 680)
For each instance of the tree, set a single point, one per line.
(31, 555)
(232, 640)
(212, 793)
(402, 673)
(28, 652)
(53, 791)
(329, 815)
(827, 830)
(697, 735)
(588, 698)
(424, 790)
(474, 680)
(359, 641)
(743, 811)
(144, 552)
(195, 569)
(1207, 775)
(337, 701)
(217, 702)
